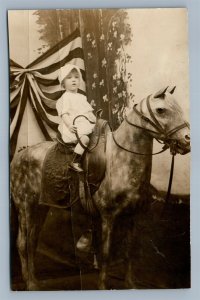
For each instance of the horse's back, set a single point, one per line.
(26, 170)
(35, 152)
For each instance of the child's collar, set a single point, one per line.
(68, 91)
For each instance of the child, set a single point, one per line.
(69, 106)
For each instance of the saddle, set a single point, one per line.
(95, 158)
(58, 180)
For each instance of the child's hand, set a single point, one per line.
(73, 129)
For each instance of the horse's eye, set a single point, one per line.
(160, 110)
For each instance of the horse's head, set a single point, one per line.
(164, 119)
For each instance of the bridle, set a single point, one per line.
(165, 136)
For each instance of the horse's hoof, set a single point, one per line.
(33, 286)
(130, 284)
(102, 287)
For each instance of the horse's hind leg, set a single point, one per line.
(30, 222)
(107, 227)
(22, 244)
(35, 219)
(36, 216)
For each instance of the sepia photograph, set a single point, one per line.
(99, 149)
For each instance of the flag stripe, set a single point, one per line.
(50, 81)
(49, 100)
(50, 120)
(76, 53)
(15, 118)
(48, 109)
(42, 113)
(38, 118)
(50, 89)
(15, 93)
(13, 64)
(54, 74)
(56, 48)
(14, 134)
(15, 101)
(60, 54)
(15, 84)
(16, 111)
(53, 96)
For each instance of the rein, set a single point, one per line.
(165, 147)
(78, 138)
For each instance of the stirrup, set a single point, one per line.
(85, 242)
(76, 167)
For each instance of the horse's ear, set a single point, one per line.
(171, 90)
(160, 93)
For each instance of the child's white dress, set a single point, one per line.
(74, 104)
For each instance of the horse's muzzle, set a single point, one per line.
(182, 148)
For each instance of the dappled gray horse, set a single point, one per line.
(125, 184)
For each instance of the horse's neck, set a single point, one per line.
(124, 164)
(133, 138)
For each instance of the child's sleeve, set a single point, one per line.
(62, 106)
(87, 106)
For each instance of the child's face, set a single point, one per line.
(72, 81)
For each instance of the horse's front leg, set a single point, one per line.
(107, 227)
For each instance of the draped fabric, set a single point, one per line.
(38, 83)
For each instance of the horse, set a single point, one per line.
(126, 183)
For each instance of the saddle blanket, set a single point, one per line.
(56, 177)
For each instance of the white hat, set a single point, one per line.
(66, 69)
